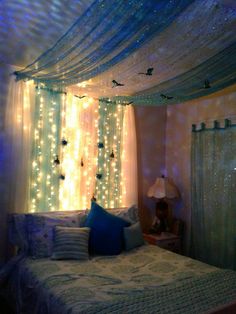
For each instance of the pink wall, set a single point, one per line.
(150, 128)
(178, 139)
(164, 139)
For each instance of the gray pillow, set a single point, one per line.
(70, 243)
(130, 214)
(133, 236)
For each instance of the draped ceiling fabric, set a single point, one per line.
(191, 46)
(112, 30)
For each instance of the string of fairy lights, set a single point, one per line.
(76, 152)
(78, 156)
(109, 176)
(45, 145)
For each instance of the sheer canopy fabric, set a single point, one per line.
(187, 62)
(103, 35)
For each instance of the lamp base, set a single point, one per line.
(162, 213)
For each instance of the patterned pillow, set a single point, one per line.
(133, 236)
(130, 214)
(70, 243)
(106, 235)
(40, 231)
(17, 232)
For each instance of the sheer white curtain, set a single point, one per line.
(16, 147)
(19, 109)
(129, 159)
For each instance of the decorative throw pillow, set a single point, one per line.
(40, 231)
(130, 214)
(70, 243)
(133, 236)
(106, 235)
(17, 232)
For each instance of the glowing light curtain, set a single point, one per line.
(213, 194)
(79, 155)
(103, 35)
(109, 175)
(46, 142)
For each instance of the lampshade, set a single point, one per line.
(163, 188)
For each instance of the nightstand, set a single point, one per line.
(165, 240)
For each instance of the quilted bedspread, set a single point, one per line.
(145, 280)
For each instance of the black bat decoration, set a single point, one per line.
(100, 145)
(166, 97)
(207, 84)
(149, 72)
(128, 103)
(112, 154)
(64, 142)
(116, 84)
(80, 97)
(56, 160)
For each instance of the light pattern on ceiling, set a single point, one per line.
(195, 48)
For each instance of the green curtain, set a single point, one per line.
(109, 177)
(45, 172)
(213, 176)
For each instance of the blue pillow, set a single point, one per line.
(106, 234)
(133, 236)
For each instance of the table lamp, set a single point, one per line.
(163, 189)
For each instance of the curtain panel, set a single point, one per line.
(55, 157)
(213, 175)
(16, 165)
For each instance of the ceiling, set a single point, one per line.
(28, 28)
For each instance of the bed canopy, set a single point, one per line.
(148, 53)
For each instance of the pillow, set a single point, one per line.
(133, 236)
(130, 214)
(17, 232)
(40, 231)
(70, 243)
(106, 235)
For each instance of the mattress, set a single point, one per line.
(145, 280)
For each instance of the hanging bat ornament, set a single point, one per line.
(112, 154)
(148, 73)
(166, 97)
(64, 142)
(56, 160)
(80, 97)
(207, 84)
(116, 84)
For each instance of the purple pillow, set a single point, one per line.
(40, 231)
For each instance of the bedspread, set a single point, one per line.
(144, 280)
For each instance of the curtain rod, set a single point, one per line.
(216, 118)
(216, 125)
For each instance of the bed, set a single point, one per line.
(145, 279)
